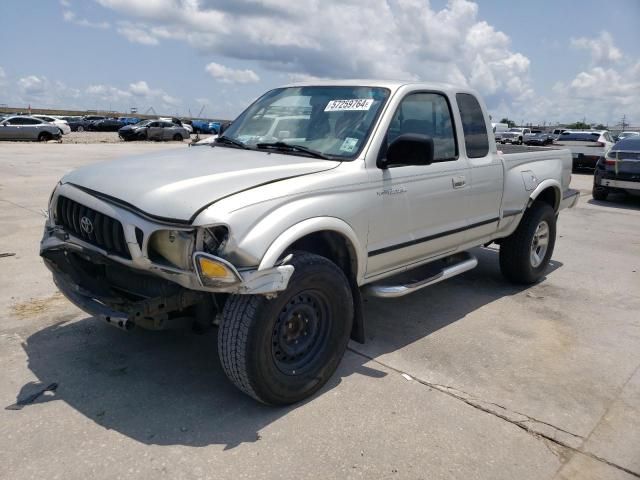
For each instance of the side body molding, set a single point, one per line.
(314, 225)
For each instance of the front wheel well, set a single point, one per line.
(331, 245)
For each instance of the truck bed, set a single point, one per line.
(509, 148)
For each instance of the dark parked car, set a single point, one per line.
(153, 130)
(539, 138)
(618, 170)
(80, 124)
(128, 120)
(106, 125)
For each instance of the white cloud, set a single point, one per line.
(136, 33)
(71, 17)
(230, 75)
(404, 39)
(33, 86)
(602, 49)
(142, 89)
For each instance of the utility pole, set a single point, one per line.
(624, 122)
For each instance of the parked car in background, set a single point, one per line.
(128, 120)
(619, 169)
(539, 139)
(74, 122)
(514, 135)
(624, 135)
(498, 129)
(205, 126)
(27, 128)
(61, 124)
(106, 125)
(586, 146)
(179, 122)
(557, 132)
(154, 130)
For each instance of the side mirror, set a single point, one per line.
(409, 149)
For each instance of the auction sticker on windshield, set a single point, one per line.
(353, 104)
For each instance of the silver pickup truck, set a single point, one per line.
(275, 234)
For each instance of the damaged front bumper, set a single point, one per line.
(136, 232)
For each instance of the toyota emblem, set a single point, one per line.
(86, 225)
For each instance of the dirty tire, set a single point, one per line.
(516, 250)
(256, 338)
(44, 137)
(599, 193)
(80, 129)
(177, 137)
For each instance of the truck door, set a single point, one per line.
(434, 196)
(485, 167)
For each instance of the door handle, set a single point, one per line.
(459, 181)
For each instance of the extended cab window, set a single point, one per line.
(474, 128)
(426, 114)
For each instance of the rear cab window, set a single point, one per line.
(474, 127)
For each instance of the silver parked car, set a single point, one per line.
(154, 130)
(28, 128)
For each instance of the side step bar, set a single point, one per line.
(462, 264)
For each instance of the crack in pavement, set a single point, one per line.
(39, 213)
(567, 440)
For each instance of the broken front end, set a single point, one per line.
(130, 269)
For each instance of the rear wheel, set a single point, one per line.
(44, 137)
(80, 128)
(177, 137)
(600, 193)
(525, 254)
(283, 350)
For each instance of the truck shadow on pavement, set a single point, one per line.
(168, 388)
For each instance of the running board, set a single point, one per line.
(462, 264)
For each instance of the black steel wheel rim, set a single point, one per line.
(301, 333)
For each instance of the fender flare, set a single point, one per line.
(314, 225)
(542, 186)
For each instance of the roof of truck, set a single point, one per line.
(391, 84)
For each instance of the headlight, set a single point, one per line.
(174, 246)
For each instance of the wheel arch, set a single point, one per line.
(327, 236)
(549, 192)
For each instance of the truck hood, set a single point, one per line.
(175, 185)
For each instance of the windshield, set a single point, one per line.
(143, 123)
(517, 130)
(332, 121)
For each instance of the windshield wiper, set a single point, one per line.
(287, 147)
(231, 141)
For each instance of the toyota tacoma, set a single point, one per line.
(314, 197)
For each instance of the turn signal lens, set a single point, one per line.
(211, 269)
(214, 271)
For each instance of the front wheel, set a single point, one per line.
(282, 350)
(525, 254)
(177, 137)
(80, 128)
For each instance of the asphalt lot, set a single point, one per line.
(469, 379)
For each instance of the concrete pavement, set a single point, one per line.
(471, 378)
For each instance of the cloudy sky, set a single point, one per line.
(536, 61)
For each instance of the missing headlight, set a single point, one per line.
(214, 238)
(173, 246)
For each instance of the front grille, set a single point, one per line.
(99, 229)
